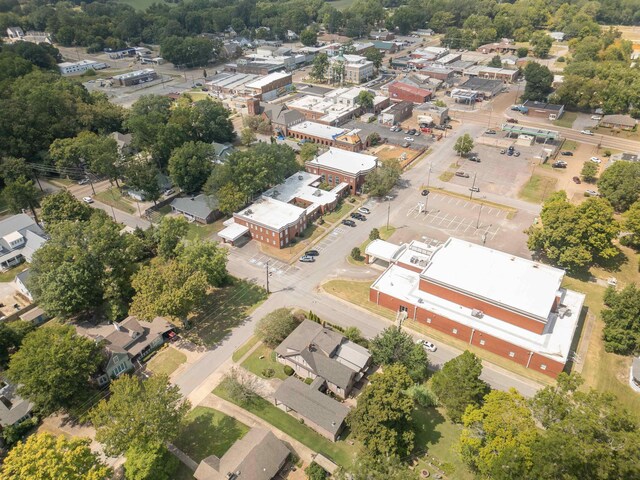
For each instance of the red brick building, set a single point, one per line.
(399, 92)
(338, 166)
(510, 306)
(328, 136)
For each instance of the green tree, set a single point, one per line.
(21, 194)
(620, 184)
(308, 151)
(99, 152)
(274, 327)
(375, 56)
(230, 199)
(457, 385)
(632, 222)
(539, 80)
(12, 169)
(309, 37)
(497, 437)
(589, 172)
(522, 52)
(208, 258)
(622, 321)
(150, 462)
(62, 206)
(374, 234)
(247, 137)
(11, 335)
(495, 61)
(142, 174)
(365, 99)
(381, 181)
(147, 119)
(464, 145)
(139, 413)
(169, 235)
(53, 366)
(45, 457)
(382, 419)
(188, 51)
(190, 165)
(170, 289)
(315, 472)
(374, 467)
(393, 346)
(320, 66)
(541, 43)
(356, 254)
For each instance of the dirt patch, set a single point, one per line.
(404, 155)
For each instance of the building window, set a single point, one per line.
(512, 354)
(543, 367)
(428, 320)
(403, 308)
(281, 242)
(260, 229)
(337, 179)
(481, 342)
(455, 331)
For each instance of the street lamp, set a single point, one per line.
(473, 186)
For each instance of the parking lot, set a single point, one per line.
(396, 138)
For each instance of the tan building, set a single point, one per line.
(357, 69)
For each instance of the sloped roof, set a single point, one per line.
(200, 207)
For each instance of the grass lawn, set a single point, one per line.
(569, 145)
(343, 209)
(9, 275)
(241, 352)
(340, 452)
(209, 432)
(446, 176)
(437, 435)
(612, 132)
(198, 231)
(113, 197)
(225, 308)
(256, 364)
(197, 96)
(566, 120)
(385, 234)
(166, 361)
(538, 188)
(356, 293)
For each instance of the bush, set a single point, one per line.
(352, 200)
(268, 372)
(308, 380)
(313, 317)
(321, 221)
(274, 327)
(12, 434)
(560, 60)
(315, 472)
(607, 153)
(288, 370)
(423, 396)
(374, 234)
(355, 253)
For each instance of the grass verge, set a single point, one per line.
(166, 361)
(242, 351)
(566, 120)
(264, 358)
(385, 234)
(343, 209)
(114, 198)
(340, 452)
(446, 176)
(570, 145)
(209, 432)
(538, 188)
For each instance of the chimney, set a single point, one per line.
(556, 302)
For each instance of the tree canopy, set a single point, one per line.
(274, 327)
(381, 181)
(394, 346)
(190, 165)
(463, 145)
(539, 79)
(620, 184)
(63, 206)
(621, 333)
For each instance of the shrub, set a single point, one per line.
(355, 253)
(374, 234)
(268, 372)
(607, 153)
(288, 370)
(423, 396)
(321, 221)
(352, 200)
(308, 380)
(560, 60)
(315, 472)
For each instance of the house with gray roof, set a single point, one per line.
(13, 408)
(259, 455)
(126, 342)
(221, 151)
(315, 351)
(281, 117)
(20, 238)
(202, 209)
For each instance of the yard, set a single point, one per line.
(566, 120)
(242, 351)
(208, 432)
(344, 207)
(9, 275)
(114, 198)
(538, 188)
(166, 361)
(340, 452)
(199, 231)
(385, 234)
(264, 358)
(438, 437)
(569, 145)
(224, 309)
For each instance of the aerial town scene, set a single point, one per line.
(309, 239)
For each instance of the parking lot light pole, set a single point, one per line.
(472, 186)
(478, 222)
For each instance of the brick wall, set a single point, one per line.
(278, 239)
(355, 182)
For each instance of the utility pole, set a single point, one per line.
(478, 222)
(472, 186)
(267, 265)
(388, 211)
(426, 202)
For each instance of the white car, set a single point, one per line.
(596, 117)
(409, 139)
(427, 345)
(595, 160)
(364, 210)
(586, 132)
(87, 199)
(591, 193)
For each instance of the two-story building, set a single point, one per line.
(337, 166)
(20, 238)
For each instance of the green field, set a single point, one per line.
(538, 188)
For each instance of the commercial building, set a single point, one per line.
(20, 238)
(16, 34)
(441, 73)
(73, 68)
(510, 306)
(137, 77)
(396, 113)
(429, 113)
(494, 73)
(262, 87)
(486, 88)
(337, 166)
(385, 47)
(270, 86)
(402, 92)
(256, 68)
(543, 109)
(381, 34)
(505, 46)
(350, 68)
(436, 52)
(449, 58)
(328, 136)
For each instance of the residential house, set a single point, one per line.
(123, 140)
(622, 122)
(20, 281)
(315, 351)
(15, 33)
(20, 238)
(164, 184)
(557, 36)
(36, 316)
(13, 408)
(318, 411)
(281, 117)
(126, 342)
(259, 455)
(202, 208)
(221, 151)
(381, 34)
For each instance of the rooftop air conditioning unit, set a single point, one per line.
(477, 313)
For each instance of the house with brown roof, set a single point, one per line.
(622, 122)
(259, 455)
(126, 342)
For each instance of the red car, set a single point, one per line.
(512, 120)
(576, 180)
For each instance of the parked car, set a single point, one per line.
(448, 127)
(595, 160)
(83, 181)
(311, 253)
(349, 223)
(198, 84)
(87, 199)
(516, 154)
(408, 139)
(596, 117)
(567, 153)
(417, 134)
(510, 152)
(559, 165)
(474, 158)
(586, 132)
(591, 193)
(462, 174)
(424, 192)
(364, 210)
(412, 131)
(392, 129)
(490, 132)
(577, 180)
(168, 192)
(512, 120)
(358, 216)
(503, 151)
(307, 259)
(474, 189)
(427, 345)
(406, 145)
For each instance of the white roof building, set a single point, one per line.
(271, 213)
(265, 81)
(319, 130)
(349, 162)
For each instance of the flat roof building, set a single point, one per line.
(487, 88)
(328, 136)
(137, 77)
(336, 166)
(402, 92)
(73, 68)
(543, 109)
(508, 305)
(495, 73)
